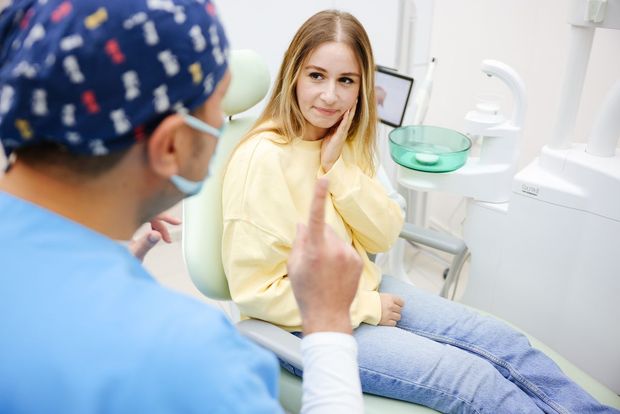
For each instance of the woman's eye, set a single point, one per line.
(316, 75)
(346, 81)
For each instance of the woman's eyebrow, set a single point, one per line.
(320, 69)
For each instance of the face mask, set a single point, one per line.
(188, 187)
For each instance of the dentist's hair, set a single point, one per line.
(283, 109)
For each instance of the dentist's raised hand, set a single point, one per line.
(324, 271)
(331, 148)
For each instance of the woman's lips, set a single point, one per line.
(326, 112)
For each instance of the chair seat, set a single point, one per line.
(291, 389)
(290, 398)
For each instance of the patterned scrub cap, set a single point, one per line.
(93, 74)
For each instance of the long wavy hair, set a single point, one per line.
(282, 114)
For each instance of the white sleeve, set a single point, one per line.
(331, 381)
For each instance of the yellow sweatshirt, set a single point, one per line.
(267, 190)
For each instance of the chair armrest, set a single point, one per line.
(443, 242)
(432, 238)
(282, 343)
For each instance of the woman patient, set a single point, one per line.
(320, 121)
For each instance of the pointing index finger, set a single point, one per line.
(316, 221)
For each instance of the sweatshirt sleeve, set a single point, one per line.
(375, 219)
(258, 280)
(255, 264)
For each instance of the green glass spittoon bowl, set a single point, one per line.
(429, 148)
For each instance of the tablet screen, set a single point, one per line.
(392, 91)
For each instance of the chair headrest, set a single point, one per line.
(249, 84)
(202, 214)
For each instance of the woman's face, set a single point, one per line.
(327, 87)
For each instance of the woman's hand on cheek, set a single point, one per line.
(331, 148)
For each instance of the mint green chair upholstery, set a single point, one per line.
(202, 231)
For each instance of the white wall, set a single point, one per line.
(532, 37)
(268, 26)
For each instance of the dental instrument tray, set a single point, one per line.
(429, 148)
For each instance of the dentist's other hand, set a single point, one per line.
(141, 246)
(324, 271)
(158, 224)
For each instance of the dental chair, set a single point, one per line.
(202, 231)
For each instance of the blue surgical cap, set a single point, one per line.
(91, 75)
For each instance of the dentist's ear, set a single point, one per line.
(165, 146)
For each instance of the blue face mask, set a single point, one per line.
(189, 187)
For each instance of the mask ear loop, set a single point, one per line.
(198, 124)
(10, 162)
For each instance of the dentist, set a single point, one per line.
(109, 115)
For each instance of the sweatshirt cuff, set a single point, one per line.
(341, 177)
(366, 308)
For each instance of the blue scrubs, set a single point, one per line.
(84, 329)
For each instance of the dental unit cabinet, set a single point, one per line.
(545, 241)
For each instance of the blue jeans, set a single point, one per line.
(454, 360)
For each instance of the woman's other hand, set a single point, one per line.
(391, 306)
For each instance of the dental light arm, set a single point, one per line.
(584, 17)
(514, 82)
(606, 131)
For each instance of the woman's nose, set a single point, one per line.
(329, 95)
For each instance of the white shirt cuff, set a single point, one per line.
(331, 374)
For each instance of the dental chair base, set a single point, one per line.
(548, 261)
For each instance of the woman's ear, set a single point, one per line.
(163, 146)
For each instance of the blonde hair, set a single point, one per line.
(283, 109)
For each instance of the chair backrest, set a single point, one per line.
(202, 214)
